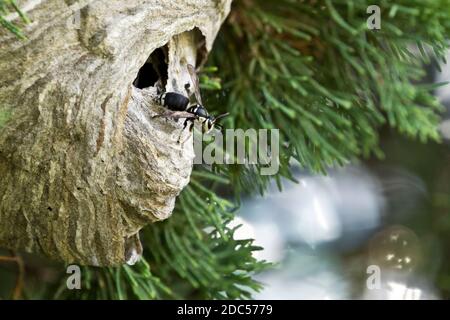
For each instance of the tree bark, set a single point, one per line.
(83, 164)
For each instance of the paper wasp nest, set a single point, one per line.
(83, 165)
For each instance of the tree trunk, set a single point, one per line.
(83, 164)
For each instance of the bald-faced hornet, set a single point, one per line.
(180, 108)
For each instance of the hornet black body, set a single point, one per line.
(180, 106)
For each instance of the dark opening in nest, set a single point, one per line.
(154, 70)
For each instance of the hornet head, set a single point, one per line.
(210, 121)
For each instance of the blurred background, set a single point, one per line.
(374, 229)
(377, 229)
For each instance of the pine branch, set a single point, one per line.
(314, 70)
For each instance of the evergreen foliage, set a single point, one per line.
(313, 70)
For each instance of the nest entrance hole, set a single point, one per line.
(154, 70)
